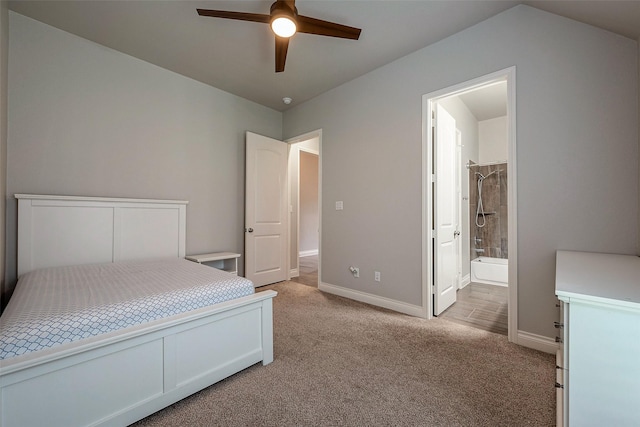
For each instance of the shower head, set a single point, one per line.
(483, 177)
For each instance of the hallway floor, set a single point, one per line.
(308, 271)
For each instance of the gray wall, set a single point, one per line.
(4, 54)
(577, 148)
(87, 120)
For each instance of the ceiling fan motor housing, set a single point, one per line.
(284, 9)
(282, 19)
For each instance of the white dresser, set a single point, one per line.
(599, 358)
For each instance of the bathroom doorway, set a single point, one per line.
(481, 113)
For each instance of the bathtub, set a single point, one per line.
(492, 271)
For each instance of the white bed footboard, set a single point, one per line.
(124, 378)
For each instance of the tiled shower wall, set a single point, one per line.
(493, 237)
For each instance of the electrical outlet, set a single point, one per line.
(376, 276)
(355, 271)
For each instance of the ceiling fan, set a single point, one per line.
(285, 22)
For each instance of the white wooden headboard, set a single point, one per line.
(69, 230)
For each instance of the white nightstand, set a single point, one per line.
(227, 261)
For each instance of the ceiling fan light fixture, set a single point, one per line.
(283, 19)
(283, 26)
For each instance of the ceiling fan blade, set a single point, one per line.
(325, 28)
(240, 16)
(282, 44)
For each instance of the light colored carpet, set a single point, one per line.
(343, 363)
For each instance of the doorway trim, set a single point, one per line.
(459, 205)
(301, 138)
(428, 181)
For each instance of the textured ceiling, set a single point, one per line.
(238, 57)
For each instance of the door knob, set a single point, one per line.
(249, 230)
(456, 233)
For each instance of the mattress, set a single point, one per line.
(56, 306)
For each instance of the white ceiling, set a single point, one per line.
(238, 57)
(487, 102)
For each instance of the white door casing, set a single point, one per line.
(428, 225)
(458, 201)
(446, 253)
(266, 214)
(314, 149)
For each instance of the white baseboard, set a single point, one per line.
(399, 306)
(537, 342)
(465, 281)
(525, 339)
(294, 272)
(308, 253)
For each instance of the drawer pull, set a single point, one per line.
(558, 325)
(558, 385)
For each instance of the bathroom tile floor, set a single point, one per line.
(481, 306)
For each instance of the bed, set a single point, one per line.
(119, 375)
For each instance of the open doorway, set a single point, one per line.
(469, 148)
(304, 193)
(308, 218)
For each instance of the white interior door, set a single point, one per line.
(265, 210)
(445, 280)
